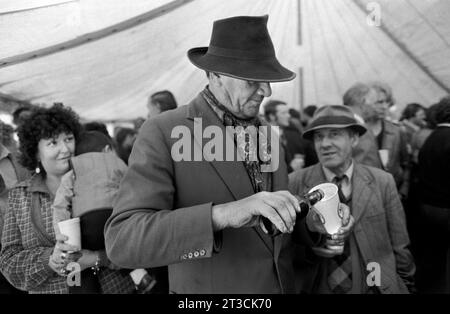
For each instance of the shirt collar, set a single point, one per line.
(36, 184)
(4, 152)
(212, 102)
(329, 175)
(359, 118)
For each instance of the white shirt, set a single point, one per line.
(359, 119)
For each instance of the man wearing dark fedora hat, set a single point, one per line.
(375, 257)
(203, 218)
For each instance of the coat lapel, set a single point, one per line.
(315, 177)
(361, 192)
(230, 172)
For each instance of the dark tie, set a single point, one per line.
(338, 181)
(340, 266)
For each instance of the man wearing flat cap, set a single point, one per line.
(375, 258)
(202, 216)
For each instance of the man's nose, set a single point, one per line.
(265, 89)
(325, 142)
(384, 105)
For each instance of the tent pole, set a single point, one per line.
(301, 89)
(300, 43)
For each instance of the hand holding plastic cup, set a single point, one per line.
(328, 207)
(71, 229)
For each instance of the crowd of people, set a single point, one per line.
(152, 223)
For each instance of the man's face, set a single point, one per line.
(419, 118)
(376, 104)
(243, 98)
(153, 109)
(334, 148)
(129, 141)
(282, 116)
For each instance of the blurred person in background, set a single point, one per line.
(22, 113)
(138, 122)
(159, 102)
(390, 139)
(366, 152)
(307, 114)
(421, 136)
(125, 138)
(11, 172)
(384, 146)
(386, 90)
(434, 196)
(277, 114)
(96, 126)
(295, 119)
(413, 119)
(7, 137)
(412, 204)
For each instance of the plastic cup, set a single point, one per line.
(384, 156)
(328, 206)
(137, 275)
(71, 229)
(299, 156)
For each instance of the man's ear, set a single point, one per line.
(272, 118)
(215, 79)
(156, 105)
(354, 139)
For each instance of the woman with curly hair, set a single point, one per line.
(32, 257)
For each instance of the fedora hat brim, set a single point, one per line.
(259, 70)
(308, 134)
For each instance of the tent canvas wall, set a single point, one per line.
(104, 58)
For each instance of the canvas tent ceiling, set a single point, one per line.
(104, 58)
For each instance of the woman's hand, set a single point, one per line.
(60, 257)
(92, 258)
(86, 259)
(328, 251)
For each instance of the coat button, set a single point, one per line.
(190, 255)
(202, 252)
(196, 254)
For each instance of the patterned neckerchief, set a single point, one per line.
(242, 141)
